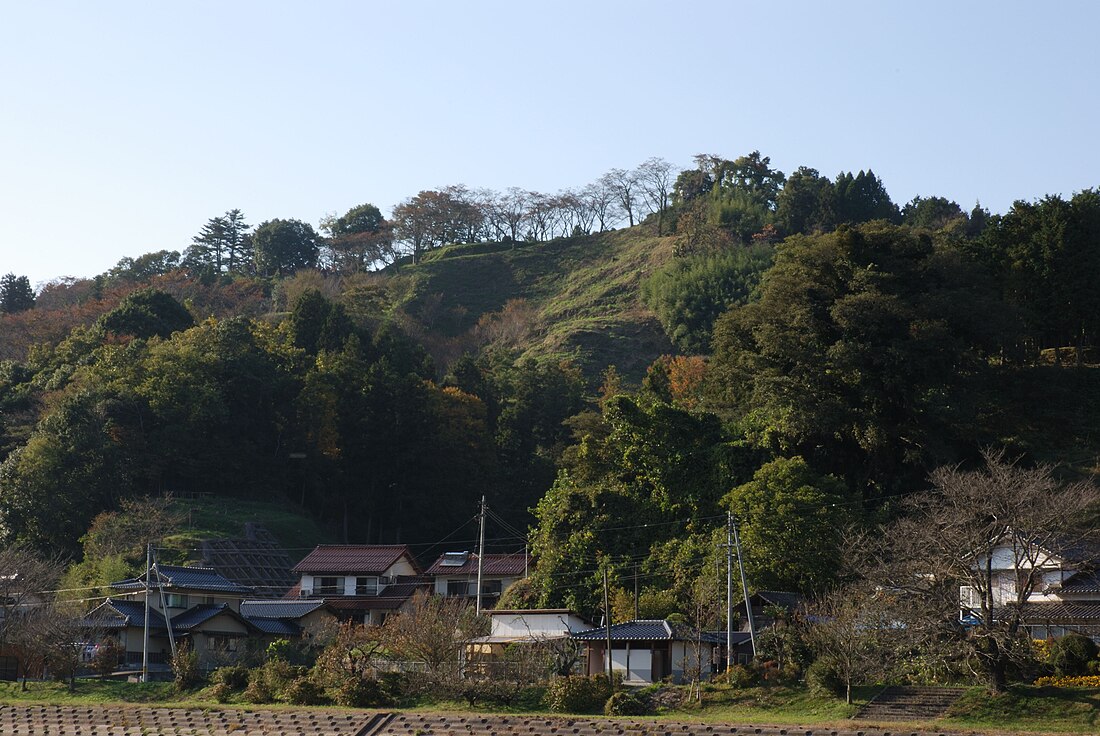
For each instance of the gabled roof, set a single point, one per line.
(783, 598)
(282, 609)
(511, 565)
(368, 559)
(645, 630)
(1081, 582)
(198, 615)
(120, 613)
(184, 578)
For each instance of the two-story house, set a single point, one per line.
(361, 582)
(196, 604)
(455, 574)
(1058, 592)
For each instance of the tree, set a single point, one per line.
(862, 198)
(791, 521)
(946, 543)
(147, 313)
(23, 573)
(624, 185)
(807, 203)
(281, 247)
(933, 213)
(221, 245)
(654, 176)
(433, 630)
(857, 354)
(853, 633)
(16, 294)
(359, 238)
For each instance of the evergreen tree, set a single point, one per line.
(16, 294)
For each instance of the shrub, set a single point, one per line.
(234, 677)
(304, 691)
(258, 690)
(576, 694)
(1069, 681)
(362, 692)
(627, 703)
(737, 676)
(186, 672)
(1071, 654)
(221, 692)
(823, 678)
(107, 656)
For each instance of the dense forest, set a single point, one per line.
(614, 367)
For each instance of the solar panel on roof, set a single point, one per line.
(454, 559)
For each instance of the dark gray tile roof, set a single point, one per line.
(185, 578)
(783, 598)
(1061, 613)
(1082, 582)
(284, 609)
(275, 626)
(197, 615)
(118, 614)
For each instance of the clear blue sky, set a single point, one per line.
(124, 126)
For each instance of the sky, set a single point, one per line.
(124, 126)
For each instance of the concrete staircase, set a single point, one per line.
(903, 703)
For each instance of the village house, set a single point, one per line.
(360, 582)
(455, 574)
(1062, 588)
(533, 627)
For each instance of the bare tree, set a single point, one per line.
(434, 631)
(25, 578)
(624, 185)
(972, 550)
(854, 630)
(600, 199)
(654, 177)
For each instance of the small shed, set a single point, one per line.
(651, 650)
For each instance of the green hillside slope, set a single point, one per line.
(582, 295)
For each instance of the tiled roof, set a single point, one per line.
(1060, 613)
(185, 578)
(783, 598)
(512, 565)
(644, 630)
(198, 615)
(118, 614)
(1082, 582)
(284, 609)
(274, 626)
(392, 597)
(371, 559)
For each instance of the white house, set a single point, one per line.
(455, 574)
(361, 582)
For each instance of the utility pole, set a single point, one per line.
(164, 608)
(744, 586)
(607, 629)
(480, 553)
(729, 591)
(145, 637)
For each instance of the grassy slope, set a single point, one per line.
(585, 291)
(222, 518)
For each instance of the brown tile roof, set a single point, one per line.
(512, 565)
(391, 598)
(353, 558)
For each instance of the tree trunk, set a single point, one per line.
(848, 692)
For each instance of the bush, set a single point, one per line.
(234, 677)
(304, 691)
(107, 656)
(1071, 654)
(362, 692)
(576, 694)
(186, 672)
(627, 703)
(258, 690)
(823, 678)
(1079, 681)
(737, 676)
(221, 692)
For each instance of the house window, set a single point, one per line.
(329, 586)
(223, 643)
(366, 586)
(175, 600)
(491, 587)
(458, 587)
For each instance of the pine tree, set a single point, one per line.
(16, 294)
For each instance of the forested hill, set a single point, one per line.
(795, 349)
